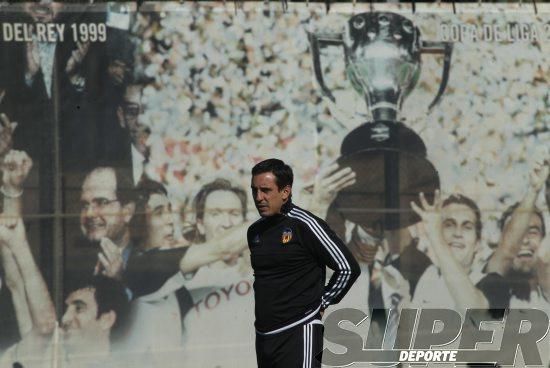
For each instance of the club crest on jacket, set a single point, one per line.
(287, 235)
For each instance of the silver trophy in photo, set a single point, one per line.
(383, 60)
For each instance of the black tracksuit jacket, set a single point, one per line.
(290, 252)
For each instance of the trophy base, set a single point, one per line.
(387, 180)
(383, 134)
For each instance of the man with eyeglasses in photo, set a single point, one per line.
(106, 207)
(129, 113)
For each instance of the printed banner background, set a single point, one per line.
(225, 89)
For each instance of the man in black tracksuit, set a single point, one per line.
(290, 250)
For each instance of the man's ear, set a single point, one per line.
(107, 320)
(128, 211)
(287, 190)
(120, 116)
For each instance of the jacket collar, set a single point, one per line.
(287, 206)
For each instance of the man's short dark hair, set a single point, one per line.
(282, 172)
(110, 295)
(461, 199)
(144, 190)
(506, 216)
(199, 202)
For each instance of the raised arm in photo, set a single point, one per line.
(223, 247)
(14, 282)
(514, 229)
(460, 286)
(40, 304)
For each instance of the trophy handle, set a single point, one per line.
(317, 41)
(445, 48)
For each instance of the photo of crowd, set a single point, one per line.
(126, 149)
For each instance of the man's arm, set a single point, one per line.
(515, 228)
(148, 272)
(14, 282)
(464, 292)
(41, 307)
(231, 243)
(332, 252)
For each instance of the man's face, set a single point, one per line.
(101, 213)
(222, 211)
(159, 221)
(459, 232)
(44, 11)
(267, 197)
(526, 258)
(80, 323)
(129, 116)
